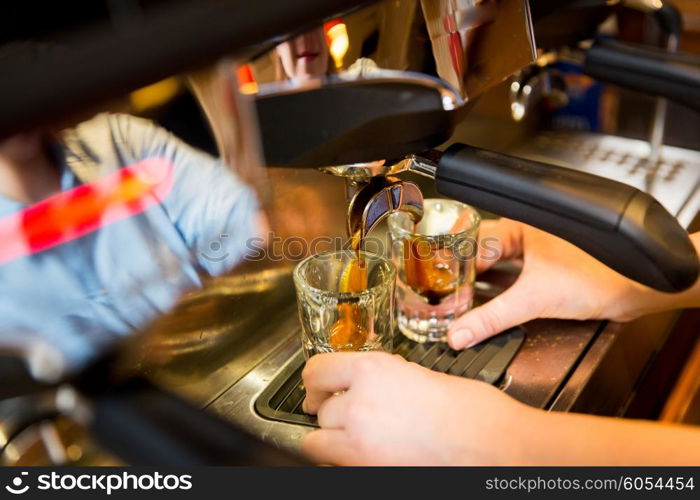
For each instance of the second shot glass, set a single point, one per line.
(436, 267)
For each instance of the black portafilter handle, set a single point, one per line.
(653, 71)
(621, 226)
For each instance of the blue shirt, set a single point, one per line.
(81, 296)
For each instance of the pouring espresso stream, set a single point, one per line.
(348, 333)
(370, 203)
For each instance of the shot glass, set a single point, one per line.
(345, 304)
(436, 268)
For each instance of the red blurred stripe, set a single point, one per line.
(85, 209)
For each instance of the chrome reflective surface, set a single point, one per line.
(471, 44)
(478, 43)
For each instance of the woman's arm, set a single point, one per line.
(573, 439)
(558, 280)
(392, 412)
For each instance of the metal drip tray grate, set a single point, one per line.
(281, 400)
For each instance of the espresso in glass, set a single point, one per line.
(436, 262)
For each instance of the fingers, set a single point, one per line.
(513, 307)
(313, 401)
(498, 240)
(333, 412)
(325, 374)
(331, 447)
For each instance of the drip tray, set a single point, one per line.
(281, 400)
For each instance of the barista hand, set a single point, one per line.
(558, 280)
(398, 413)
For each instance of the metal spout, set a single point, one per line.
(378, 198)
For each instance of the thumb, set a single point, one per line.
(511, 308)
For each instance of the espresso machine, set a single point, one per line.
(368, 131)
(398, 118)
